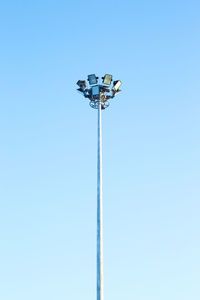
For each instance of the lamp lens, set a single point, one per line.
(107, 79)
(117, 85)
(92, 79)
(81, 83)
(95, 90)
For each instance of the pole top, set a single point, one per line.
(99, 92)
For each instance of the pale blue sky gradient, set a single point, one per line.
(151, 147)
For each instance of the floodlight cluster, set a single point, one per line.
(99, 92)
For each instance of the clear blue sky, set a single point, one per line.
(151, 147)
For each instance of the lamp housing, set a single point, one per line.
(95, 91)
(107, 79)
(117, 84)
(104, 88)
(81, 84)
(92, 79)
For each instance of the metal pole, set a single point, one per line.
(99, 210)
(99, 96)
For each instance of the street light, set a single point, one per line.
(99, 96)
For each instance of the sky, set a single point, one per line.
(151, 146)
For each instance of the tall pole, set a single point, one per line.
(99, 96)
(99, 210)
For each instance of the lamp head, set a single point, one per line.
(81, 84)
(92, 79)
(104, 89)
(107, 79)
(95, 91)
(116, 84)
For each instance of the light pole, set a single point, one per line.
(99, 96)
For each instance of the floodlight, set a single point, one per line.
(81, 84)
(104, 89)
(92, 79)
(107, 79)
(80, 90)
(95, 90)
(99, 93)
(116, 84)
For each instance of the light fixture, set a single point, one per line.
(81, 84)
(95, 90)
(80, 90)
(104, 88)
(99, 93)
(107, 79)
(116, 84)
(92, 79)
